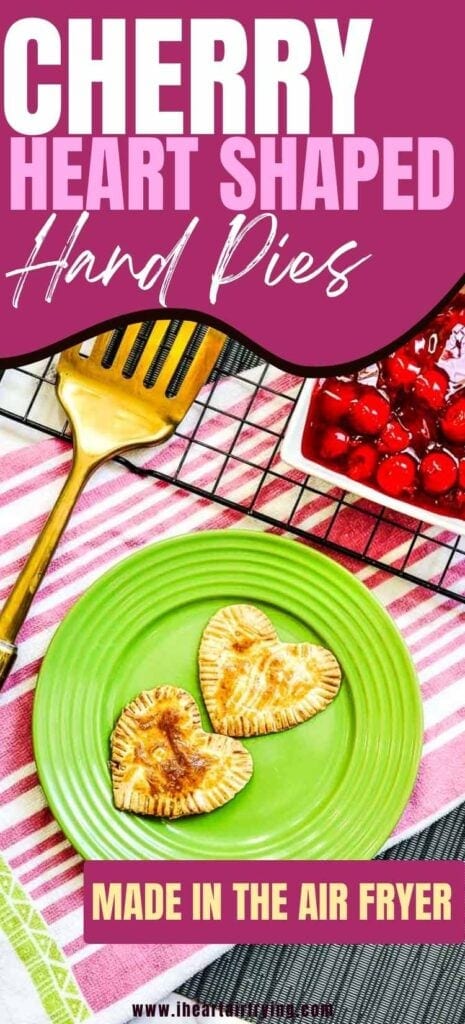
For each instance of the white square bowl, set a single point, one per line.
(291, 452)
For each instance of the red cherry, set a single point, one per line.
(401, 370)
(334, 443)
(362, 460)
(335, 398)
(396, 474)
(394, 437)
(453, 421)
(438, 471)
(422, 425)
(431, 387)
(462, 473)
(370, 413)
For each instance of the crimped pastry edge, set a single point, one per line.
(258, 723)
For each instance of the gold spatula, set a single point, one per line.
(117, 398)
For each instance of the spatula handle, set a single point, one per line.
(17, 605)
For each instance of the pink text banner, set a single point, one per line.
(274, 901)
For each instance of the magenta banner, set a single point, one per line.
(273, 901)
(297, 178)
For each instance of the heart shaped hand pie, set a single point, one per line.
(164, 764)
(253, 683)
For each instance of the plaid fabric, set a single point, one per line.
(365, 984)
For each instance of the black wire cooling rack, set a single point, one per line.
(227, 450)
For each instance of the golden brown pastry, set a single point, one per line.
(164, 764)
(252, 683)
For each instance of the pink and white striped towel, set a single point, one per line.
(118, 514)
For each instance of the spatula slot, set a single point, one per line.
(185, 362)
(161, 356)
(112, 349)
(137, 350)
(86, 348)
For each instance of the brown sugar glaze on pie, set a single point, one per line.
(164, 764)
(181, 766)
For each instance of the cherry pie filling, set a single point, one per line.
(399, 425)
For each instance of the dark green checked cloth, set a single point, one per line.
(364, 984)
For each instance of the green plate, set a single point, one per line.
(333, 787)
